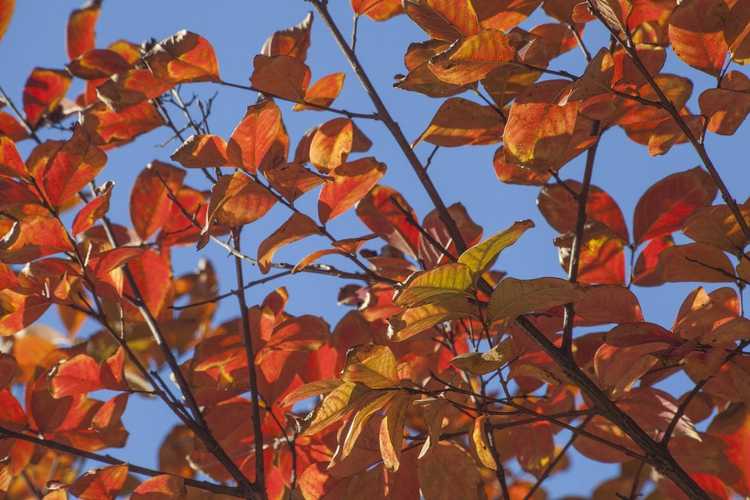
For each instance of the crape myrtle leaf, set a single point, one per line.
(508, 81)
(184, 57)
(99, 484)
(560, 208)
(309, 390)
(448, 471)
(11, 163)
(446, 20)
(98, 63)
(736, 31)
(293, 42)
(334, 406)
(365, 409)
(504, 14)
(377, 10)
(511, 173)
(81, 29)
(8, 370)
(133, 87)
(297, 227)
(174, 450)
(695, 262)
(260, 139)
(733, 427)
(43, 91)
(618, 368)
(303, 333)
(19, 312)
(391, 435)
(372, 365)
(635, 334)
(647, 271)
(514, 297)
(727, 106)
(382, 211)
(696, 31)
(481, 445)
(333, 141)
(70, 168)
(34, 236)
(460, 122)
(717, 226)
(292, 180)
(11, 414)
(351, 182)
(152, 273)
(179, 229)
(485, 362)
(281, 76)
(666, 205)
(553, 40)
(539, 128)
(237, 200)
(10, 127)
(472, 58)
(605, 304)
(150, 204)
(162, 487)
(480, 258)
(420, 77)
(419, 319)
(201, 151)
(6, 13)
(111, 129)
(433, 224)
(322, 93)
(93, 210)
(78, 375)
(453, 279)
(601, 261)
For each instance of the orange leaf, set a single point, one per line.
(646, 271)
(297, 227)
(260, 139)
(78, 375)
(111, 129)
(560, 208)
(43, 91)
(695, 262)
(292, 180)
(200, 151)
(377, 10)
(99, 484)
(32, 237)
(602, 260)
(460, 122)
(93, 210)
(736, 32)
(510, 173)
(183, 57)
(81, 34)
(421, 78)
(323, 92)
(472, 58)
(293, 42)
(733, 427)
(97, 63)
(696, 30)
(70, 168)
(332, 143)
(237, 200)
(6, 13)
(503, 14)
(351, 182)
(11, 163)
(150, 204)
(382, 210)
(539, 129)
(160, 487)
(152, 273)
(133, 87)
(446, 20)
(281, 76)
(716, 225)
(10, 127)
(666, 205)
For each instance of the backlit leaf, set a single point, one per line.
(81, 29)
(727, 106)
(430, 286)
(100, 483)
(259, 140)
(472, 58)
(160, 488)
(297, 227)
(111, 129)
(281, 76)
(696, 30)
(183, 57)
(448, 471)
(93, 210)
(323, 92)
(459, 122)
(150, 204)
(446, 20)
(482, 257)
(351, 182)
(514, 297)
(43, 91)
(201, 151)
(292, 42)
(419, 319)
(372, 365)
(377, 10)
(6, 13)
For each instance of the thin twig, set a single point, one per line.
(25, 124)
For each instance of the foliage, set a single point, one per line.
(446, 377)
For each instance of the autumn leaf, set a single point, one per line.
(372, 365)
(150, 203)
(97, 63)
(448, 471)
(259, 140)
(93, 211)
(297, 227)
(43, 91)
(459, 122)
(100, 483)
(514, 297)
(351, 182)
(237, 200)
(292, 42)
(111, 129)
(281, 76)
(727, 106)
(377, 10)
(201, 151)
(81, 29)
(6, 13)
(430, 286)
(696, 30)
(444, 19)
(333, 141)
(322, 93)
(472, 58)
(482, 257)
(184, 57)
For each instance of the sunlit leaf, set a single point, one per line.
(482, 257)
(323, 92)
(43, 91)
(459, 122)
(259, 140)
(81, 29)
(472, 58)
(351, 182)
(514, 297)
(297, 227)
(696, 30)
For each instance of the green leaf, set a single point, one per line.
(482, 256)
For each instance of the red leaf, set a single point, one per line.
(97, 63)
(163, 487)
(281, 76)
(78, 375)
(152, 273)
(259, 140)
(297, 227)
(201, 151)
(382, 210)
(377, 10)
(43, 91)
(351, 182)
(237, 200)
(696, 30)
(183, 57)
(11, 127)
(666, 205)
(150, 204)
(81, 29)
(293, 42)
(111, 129)
(323, 92)
(93, 211)
(11, 163)
(100, 484)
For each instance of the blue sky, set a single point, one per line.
(237, 30)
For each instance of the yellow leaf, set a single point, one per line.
(481, 257)
(392, 431)
(334, 406)
(481, 445)
(372, 365)
(485, 362)
(430, 286)
(361, 417)
(419, 319)
(514, 297)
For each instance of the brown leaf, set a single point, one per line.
(292, 42)
(446, 20)
(281, 76)
(322, 93)
(447, 471)
(727, 106)
(696, 30)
